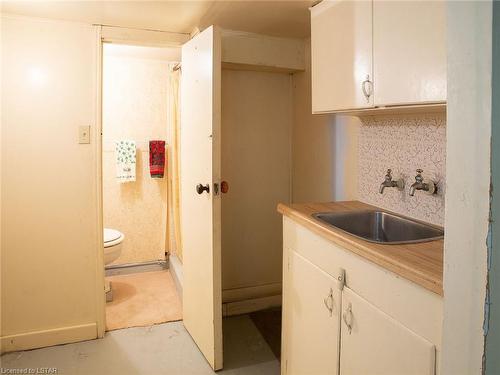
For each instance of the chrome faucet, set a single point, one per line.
(419, 184)
(388, 182)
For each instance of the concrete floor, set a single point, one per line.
(161, 349)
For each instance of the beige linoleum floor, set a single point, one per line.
(142, 299)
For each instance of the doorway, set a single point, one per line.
(136, 100)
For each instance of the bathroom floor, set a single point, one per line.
(142, 299)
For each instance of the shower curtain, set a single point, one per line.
(173, 165)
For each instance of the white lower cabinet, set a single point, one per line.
(343, 315)
(313, 319)
(373, 343)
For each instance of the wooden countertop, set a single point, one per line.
(421, 263)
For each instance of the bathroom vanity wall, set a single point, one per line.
(135, 102)
(403, 143)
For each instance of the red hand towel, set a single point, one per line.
(156, 158)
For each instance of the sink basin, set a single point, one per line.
(381, 227)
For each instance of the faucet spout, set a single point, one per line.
(413, 187)
(419, 184)
(388, 182)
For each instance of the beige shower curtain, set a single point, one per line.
(173, 166)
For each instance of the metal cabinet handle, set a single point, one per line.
(329, 302)
(367, 92)
(347, 316)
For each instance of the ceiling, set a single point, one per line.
(277, 18)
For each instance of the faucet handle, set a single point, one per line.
(388, 175)
(419, 177)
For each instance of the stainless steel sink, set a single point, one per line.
(381, 227)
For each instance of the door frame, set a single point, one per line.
(133, 37)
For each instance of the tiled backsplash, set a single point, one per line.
(403, 143)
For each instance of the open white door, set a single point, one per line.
(200, 169)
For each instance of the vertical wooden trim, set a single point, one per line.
(216, 177)
(290, 137)
(100, 296)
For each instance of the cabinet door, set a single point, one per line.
(341, 52)
(373, 343)
(409, 51)
(311, 319)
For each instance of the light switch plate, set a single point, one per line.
(84, 134)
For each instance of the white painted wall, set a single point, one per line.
(324, 147)
(256, 126)
(346, 157)
(249, 49)
(51, 239)
(468, 182)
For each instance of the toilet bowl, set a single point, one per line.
(112, 244)
(112, 249)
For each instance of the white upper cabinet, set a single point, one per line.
(368, 54)
(409, 52)
(341, 48)
(376, 344)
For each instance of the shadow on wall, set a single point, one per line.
(324, 148)
(345, 158)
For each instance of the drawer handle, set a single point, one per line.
(347, 316)
(329, 302)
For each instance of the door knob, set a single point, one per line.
(201, 188)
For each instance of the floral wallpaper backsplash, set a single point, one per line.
(403, 143)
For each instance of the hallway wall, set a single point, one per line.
(51, 237)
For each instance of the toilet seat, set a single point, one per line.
(112, 237)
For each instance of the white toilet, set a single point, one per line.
(112, 249)
(112, 244)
